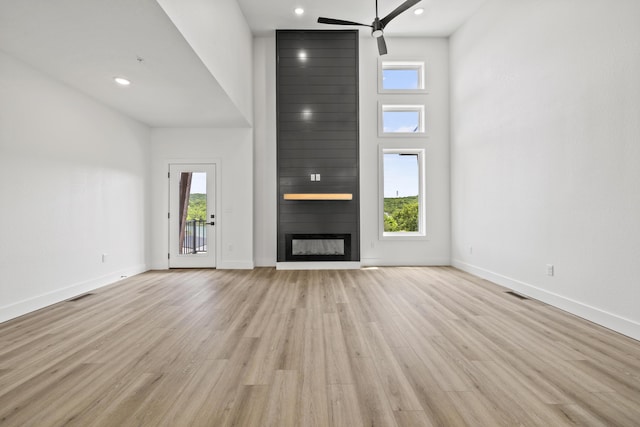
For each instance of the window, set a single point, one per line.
(402, 207)
(401, 120)
(401, 76)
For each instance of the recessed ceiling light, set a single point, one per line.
(419, 11)
(299, 11)
(122, 81)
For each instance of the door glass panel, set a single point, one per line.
(193, 213)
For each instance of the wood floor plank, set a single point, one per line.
(375, 409)
(520, 364)
(191, 394)
(412, 419)
(444, 369)
(344, 407)
(437, 404)
(476, 409)
(578, 416)
(263, 364)
(249, 408)
(281, 408)
(352, 331)
(261, 316)
(296, 330)
(123, 409)
(312, 404)
(516, 393)
(623, 383)
(406, 346)
(336, 354)
(224, 395)
(41, 391)
(396, 386)
(337, 288)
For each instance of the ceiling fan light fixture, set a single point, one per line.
(378, 25)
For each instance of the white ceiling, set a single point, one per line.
(85, 43)
(440, 18)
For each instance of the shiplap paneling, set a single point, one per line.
(317, 103)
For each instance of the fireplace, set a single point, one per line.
(318, 247)
(318, 157)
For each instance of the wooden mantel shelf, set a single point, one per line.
(318, 196)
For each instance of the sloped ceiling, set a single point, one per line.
(86, 43)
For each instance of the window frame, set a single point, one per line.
(421, 234)
(420, 108)
(401, 64)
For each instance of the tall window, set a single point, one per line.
(402, 193)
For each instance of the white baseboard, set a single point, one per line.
(224, 265)
(318, 265)
(612, 321)
(23, 307)
(265, 262)
(432, 262)
(235, 265)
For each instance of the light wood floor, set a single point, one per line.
(375, 347)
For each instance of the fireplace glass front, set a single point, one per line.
(318, 247)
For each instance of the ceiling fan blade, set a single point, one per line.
(398, 10)
(339, 22)
(382, 46)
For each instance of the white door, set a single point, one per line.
(192, 216)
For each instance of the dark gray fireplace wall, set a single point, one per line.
(317, 125)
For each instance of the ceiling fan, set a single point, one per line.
(377, 26)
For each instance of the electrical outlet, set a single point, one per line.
(549, 269)
(104, 257)
(470, 250)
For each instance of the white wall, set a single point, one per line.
(265, 173)
(73, 185)
(232, 149)
(545, 155)
(219, 34)
(435, 250)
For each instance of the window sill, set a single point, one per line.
(403, 236)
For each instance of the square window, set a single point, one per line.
(401, 77)
(402, 212)
(401, 120)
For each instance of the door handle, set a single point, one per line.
(211, 223)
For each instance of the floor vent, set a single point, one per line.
(513, 294)
(80, 297)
